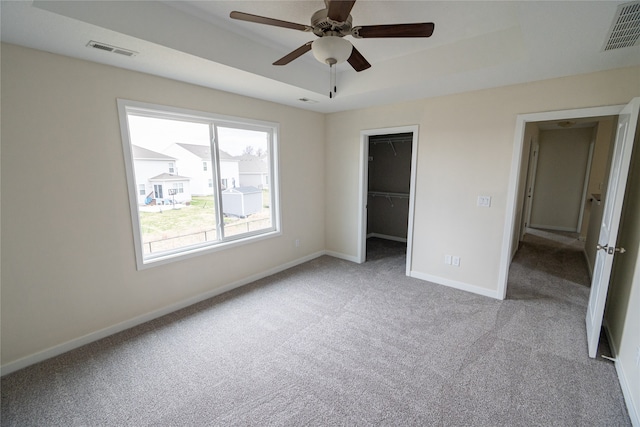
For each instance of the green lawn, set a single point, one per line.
(197, 217)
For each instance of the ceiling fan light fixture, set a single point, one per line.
(331, 49)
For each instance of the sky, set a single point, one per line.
(158, 134)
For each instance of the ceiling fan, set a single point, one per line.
(331, 24)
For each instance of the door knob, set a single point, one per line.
(609, 250)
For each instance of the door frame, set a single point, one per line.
(364, 184)
(511, 226)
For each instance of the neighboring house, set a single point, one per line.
(169, 189)
(194, 161)
(254, 171)
(156, 175)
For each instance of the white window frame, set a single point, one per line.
(161, 111)
(172, 168)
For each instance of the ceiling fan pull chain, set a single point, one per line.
(332, 81)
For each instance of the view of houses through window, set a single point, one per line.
(177, 163)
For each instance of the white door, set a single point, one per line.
(614, 196)
(531, 183)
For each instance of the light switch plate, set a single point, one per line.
(484, 201)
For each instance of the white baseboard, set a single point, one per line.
(387, 237)
(634, 413)
(127, 324)
(343, 256)
(457, 285)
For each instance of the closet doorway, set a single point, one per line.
(387, 186)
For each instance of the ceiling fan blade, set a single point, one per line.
(357, 61)
(424, 29)
(268, 21)
(295, 54)
(339, 10)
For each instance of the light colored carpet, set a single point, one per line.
(334, 343)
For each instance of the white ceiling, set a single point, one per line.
(476, 45)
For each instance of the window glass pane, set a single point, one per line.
(244, 174)
(179, 211)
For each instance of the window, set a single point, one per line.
(178, 187)
(187, 213)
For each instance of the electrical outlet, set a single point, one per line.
(447, 259)
(455, 261)
(638, 356)
(297, 243)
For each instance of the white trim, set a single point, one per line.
(530, 185)
(345, 257)
(622, 379)
(363, 187)
(516, 160)
(626, 393)
(138, 320)
(387, 237)
(412, 197)
(552, 227)
(467, 287)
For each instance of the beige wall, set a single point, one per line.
(68, 265)
(464, 150)
(560, 174)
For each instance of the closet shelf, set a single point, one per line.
(387, 194)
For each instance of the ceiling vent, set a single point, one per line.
(625, 29)
(109, 48)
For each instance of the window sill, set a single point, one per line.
(182, 254)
